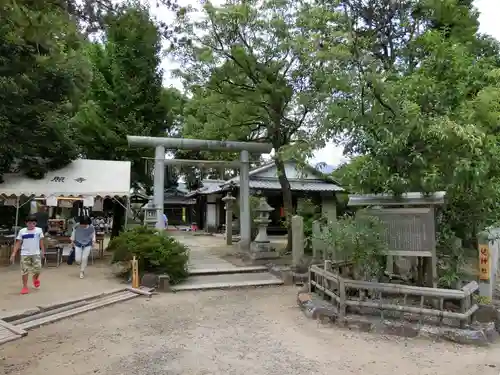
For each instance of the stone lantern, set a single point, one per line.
(150, 214)
(261, 246)
(229, 200)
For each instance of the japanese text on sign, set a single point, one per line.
(484, 262)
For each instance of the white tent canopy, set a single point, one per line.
(80, 178)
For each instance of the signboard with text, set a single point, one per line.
(484, 262)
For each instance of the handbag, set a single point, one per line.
(71, 257)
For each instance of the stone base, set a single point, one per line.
(243, 245)
(261, 247)
(164, 283)
(202, 233)
(150, 280)
(263, 255)
(288, 276)
(476, 334)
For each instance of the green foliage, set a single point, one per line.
(42, 76)
(248, 67)
(422, 113)
(156, 252)
(126, 94)
(360, 240)
(451, 258)
(483, 300)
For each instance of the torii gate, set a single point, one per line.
(161, 144)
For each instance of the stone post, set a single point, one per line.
(488, 259)
(245, 216)
(318, 243)
(260, 248)
(297, 240)
(159, 185)
(228, 200)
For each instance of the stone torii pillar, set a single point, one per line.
(162, 144)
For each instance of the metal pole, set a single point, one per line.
(159, 185)
(127, 209)
(245, 217)
(199, 144)
(17, 218)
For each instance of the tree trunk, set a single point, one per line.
(118, 218)
(287, 200)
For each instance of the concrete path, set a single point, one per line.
(199, 252)
(211, 272)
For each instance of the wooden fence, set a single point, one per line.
(351, 294)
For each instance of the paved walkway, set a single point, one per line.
(200, 256)
(217, 272)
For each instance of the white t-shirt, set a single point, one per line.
(30, 240)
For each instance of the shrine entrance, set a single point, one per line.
(245, 148)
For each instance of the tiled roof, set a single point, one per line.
(295, 185)
(209, 187)
(216, 186)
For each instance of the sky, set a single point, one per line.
(332, 154)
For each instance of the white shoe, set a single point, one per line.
(82, 275)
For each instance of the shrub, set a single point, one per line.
(156, 252)
(359, 239)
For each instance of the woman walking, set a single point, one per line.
(82, 239)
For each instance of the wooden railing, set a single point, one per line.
(350, 294)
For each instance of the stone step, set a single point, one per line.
(226, 270)
(227, 281)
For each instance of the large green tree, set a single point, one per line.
(423, 105)
(248, 67)
(126, 95)
(41, 77)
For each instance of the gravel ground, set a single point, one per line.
(58, 284)
(256, 331)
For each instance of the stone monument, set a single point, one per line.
(488, 262)
(260, 248)
(297, 240)
(150, 214)
(229, 200)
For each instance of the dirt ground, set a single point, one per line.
(57, 284)
(256, 331)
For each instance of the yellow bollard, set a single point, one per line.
(135, 273)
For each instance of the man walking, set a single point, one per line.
(30, 241)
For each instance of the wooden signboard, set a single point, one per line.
(484, 262)
(135, 274)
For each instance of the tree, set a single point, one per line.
(251, 78)
(423, 106)
(126, 94)
(41, 78)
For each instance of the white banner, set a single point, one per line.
(88, 201)
(51, 201)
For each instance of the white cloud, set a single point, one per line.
(331, 154)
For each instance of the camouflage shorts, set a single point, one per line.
(31, 264)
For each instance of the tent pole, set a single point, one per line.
(127, 209)
(17, 217)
